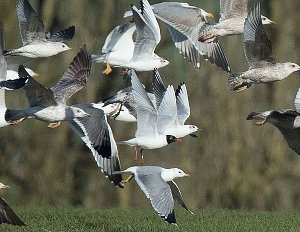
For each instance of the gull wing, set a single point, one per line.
(257, 46)
(148, 32)
(37, 94)
(159, 193)
(159, 87)
(167, 111)
(7, 215)
(30, 24)
(183, 106)
(119, 38)
(177, 195)
(98, 137)
(233, 9)
(74, 78)
(146, 111)
(64, 35)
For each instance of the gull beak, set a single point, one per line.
(178, 140)
(35, 75)
(187, 174)
(3, 186)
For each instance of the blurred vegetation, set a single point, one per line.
(233, 163)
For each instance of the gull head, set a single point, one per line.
(32, 73)
(76, 112)
(266, 20)
(193, 128)
(172, 173)
(160, 62)
(206, 15)
(3, 186)
(289, 68)
(60, 47)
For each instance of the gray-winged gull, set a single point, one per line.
(158, 185)
(231, 22)
(118, 47)
(147, 135)
(98, 137)
(50, 104)
(184, 22)
(147, 38)
(286, 120)
(7, 215)
(258, 49)
(36, 42)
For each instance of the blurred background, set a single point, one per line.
(233, 163)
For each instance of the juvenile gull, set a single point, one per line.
(147, 38)
(7, 215)
(36, 42)
(118, 47)
(286, 120)
(50, 104)
(258, 49)
(98, 137)
(184, 22)
(158, 185)
(147, 135)
(231, 22)
(172, 121)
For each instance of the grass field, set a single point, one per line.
(78, 219)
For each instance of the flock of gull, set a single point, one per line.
(161, 114)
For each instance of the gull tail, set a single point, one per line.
(98, 58)
(237, 83)
(15, 116)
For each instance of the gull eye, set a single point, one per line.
(293, 65)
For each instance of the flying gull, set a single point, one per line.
(258, 49)
(147, 38)
(36, 42)
(7, 215)
(118, 47)
(147, 135)
(50, 104)
(286, 120)
(231, 22)
(98, 137)
(184, 22)
(172, 121)
(158, 185)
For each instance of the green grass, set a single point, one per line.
(132, 219)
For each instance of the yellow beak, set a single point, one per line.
(187, 174)
(210, 15)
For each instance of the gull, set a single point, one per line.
(147, 135)
(118, 47)
(233, 15)
(184, 22)
(172, 121)
(36, 42)
(98, 137)
(286, 120)
(258, 49)
(7, 215)
(147, 38)
(50, 104)
(158, 185)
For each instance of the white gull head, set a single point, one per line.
(172, 173)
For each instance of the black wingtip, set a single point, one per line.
(22, 72)
(64, 35)
(171, 218)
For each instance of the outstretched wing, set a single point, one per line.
(7, 215)
(233, 9)
(64, 35)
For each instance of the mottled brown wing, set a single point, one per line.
(7, 215)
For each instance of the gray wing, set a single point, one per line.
(159, 87)
(148, 32)
(185, 47)
(159, 193)
(177, 195)
(98, 137)
(3, 64)
(184, 18)
(37, 94)
(146, 111)
(74, 78)
(31, 26)
(63, 35)
(8, 216)
(257, 46)
(183, 106)
(233, 9)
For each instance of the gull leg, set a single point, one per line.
(107, 70)
(135, 153)
(54, 124)
(129, 178)
(142, 162)
(119, 110)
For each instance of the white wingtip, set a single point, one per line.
(297, 101)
